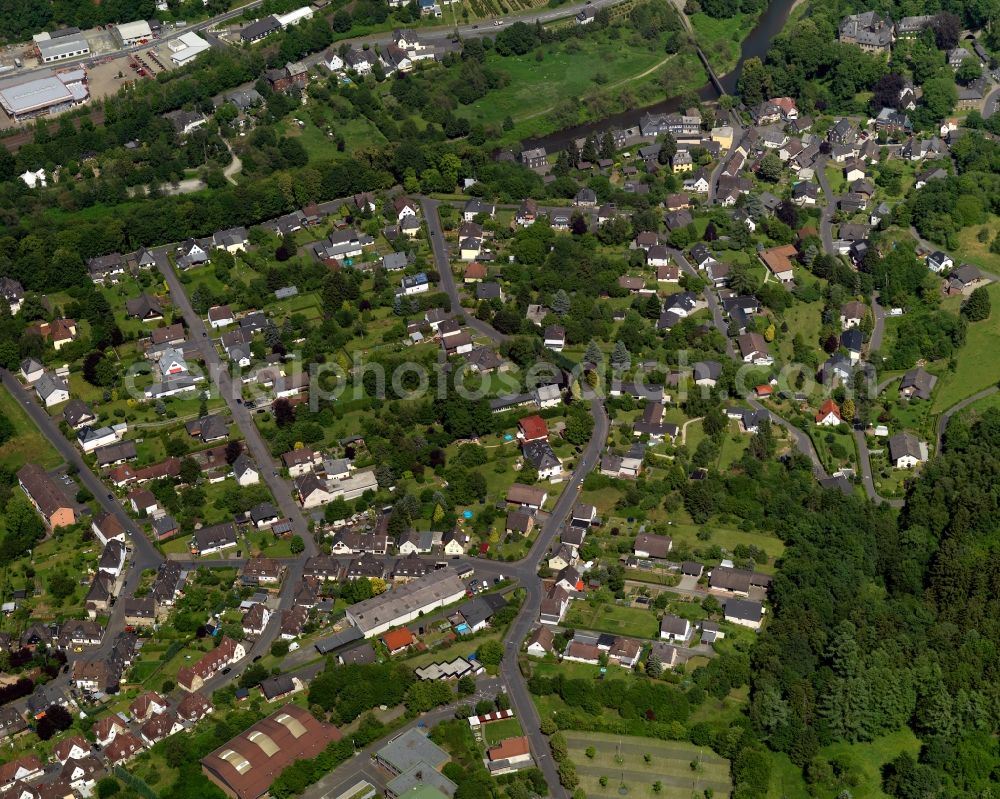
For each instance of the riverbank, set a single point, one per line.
(572, 89)
(721, 40)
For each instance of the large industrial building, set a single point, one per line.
(406, 602)
(185, 47)
(43, 93)
(245, 767)
(130, 33)
(61, 44)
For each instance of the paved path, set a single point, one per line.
(944, 418)
(443, 266)
(802, 441)
(143, 554)
(878, 329)
(867, 479)
(829, 207)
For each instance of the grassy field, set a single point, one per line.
(970, 248)
(978, 366)
(622, 759)
(497, 731)
(613, 619)
(28, 443)
(866, 761)
(720, 39)
(582, 79)
(359, 134)
(802, 318)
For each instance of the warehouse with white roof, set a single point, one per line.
(129, 33)
(43, 93)
(185, 47)
(52, 49)
(294, 17)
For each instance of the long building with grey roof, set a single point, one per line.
(406, 602)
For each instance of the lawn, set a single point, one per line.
(28, 443)
(802, 318)
(970, 248)
(573, 70)
(615, 619)
(978, 366)
(359, 134)
(623, 759)
(721, 39)
(866, 761)
(734, 444)
(497, 731)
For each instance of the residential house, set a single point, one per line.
(648, 545)
(917, 384)
(12, 294)
(829, 414)
(228, 652)
(214, 539)
(939, 262)
(45, 496)
(743, 612)
(51, 389)
(144, 307)
(674, 628)
(31, 370)
(555, 338)
(778, 262)
(753, 349)
(906, 450)
(541, 455)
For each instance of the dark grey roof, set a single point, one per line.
(326, 645)
(745, 609)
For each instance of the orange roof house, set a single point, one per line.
(398, 640)
(475, 271)
(510, 749)
(829, 414)
(778, 261)
(532, 428)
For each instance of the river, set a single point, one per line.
(755, 44)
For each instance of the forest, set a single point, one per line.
(879, 625)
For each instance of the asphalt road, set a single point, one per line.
(990, 103)
(718, 319)
(802, 442)
(520, 698)
(878, 328)
(944, 418)
(232, 394)
(867, 479)
(829, 207)
(143, 554)
(443, 266)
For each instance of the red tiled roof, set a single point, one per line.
(533, 427)
(397, 639)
